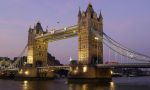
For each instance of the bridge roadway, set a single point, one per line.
(124, 65)
(120, 65)
(55, 67)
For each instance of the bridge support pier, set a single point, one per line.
(87, 73)
(35, 74)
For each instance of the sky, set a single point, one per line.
(126, 21)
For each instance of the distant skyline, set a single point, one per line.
(126, 21)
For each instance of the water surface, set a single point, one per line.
(121, 83)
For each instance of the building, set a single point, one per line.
(52, 61)
(20, 61)
(5, 62)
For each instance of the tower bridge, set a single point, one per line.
(87, 51)
(91, 39)
(90, 50)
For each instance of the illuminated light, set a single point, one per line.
(65, 28)
(21, 71)
(111, 72)
(26, 72)
(74, 31)
(70, 59)
(96, 38)
(76, 70)
(25, 82)
(112, 85)
(30, 60)
(25, 85)
(84, 87)
(85, 69)
(52, 70)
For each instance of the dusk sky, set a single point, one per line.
(126, 21)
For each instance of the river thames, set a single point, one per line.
(120, 83)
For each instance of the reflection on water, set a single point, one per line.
(34, 85)
(92, 86)
(112, 85)
(123, 83)
(25, 85)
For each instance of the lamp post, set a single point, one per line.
(96, 38)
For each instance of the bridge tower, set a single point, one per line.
(90, 48)
(37, 49)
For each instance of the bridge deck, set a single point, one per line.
(55, 67)
(124, 65)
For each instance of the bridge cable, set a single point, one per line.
(105, 40)
(18, 58)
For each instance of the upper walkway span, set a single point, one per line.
(60, 34)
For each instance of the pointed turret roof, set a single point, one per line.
(30, 29)
(100, 15)
(38, 26)
(90, 8)
(79, 13)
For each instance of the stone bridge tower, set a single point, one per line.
(37, 49)
(90, 48)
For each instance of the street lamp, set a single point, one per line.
(96, 38)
